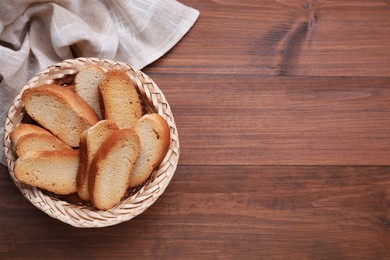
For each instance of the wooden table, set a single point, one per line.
(283, 112)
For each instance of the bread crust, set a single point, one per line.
(106, 173)
(84, 74)
(88, 144)
(60, 96)
(44, 142)
(165, 136)
(76, 102)
(82, 173)
(151, 154)
(33, 168)
(119, 99)
(23, 129)
(126, 143)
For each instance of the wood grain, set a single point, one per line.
(305, 38)
(229, 120)
(283, 111)
(269, 212)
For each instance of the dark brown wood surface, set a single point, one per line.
(283, 113)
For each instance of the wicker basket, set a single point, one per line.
(80, 214)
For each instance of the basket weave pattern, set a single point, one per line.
(84, 215)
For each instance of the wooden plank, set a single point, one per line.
(318, 38)
(225, 212)
(229, 120)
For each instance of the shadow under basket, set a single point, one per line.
(76, 212)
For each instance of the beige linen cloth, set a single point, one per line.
(36, 34)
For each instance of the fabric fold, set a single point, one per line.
(36, 34)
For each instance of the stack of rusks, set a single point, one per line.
(90, 138)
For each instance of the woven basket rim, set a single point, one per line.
(83, 215)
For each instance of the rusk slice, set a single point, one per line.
(59, 110)
(111, 167)
(39, 142)
(23, 129)
(54, 171)
(154, 134)
(119, 99)
(90, 142)
(86, 86)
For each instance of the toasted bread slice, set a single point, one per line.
(90, 142)
(59, 110)
(87, 82)
(39, 142)
(54, 171)
(119, 99)
(23, 129)
(111, 167)
(154, 134)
